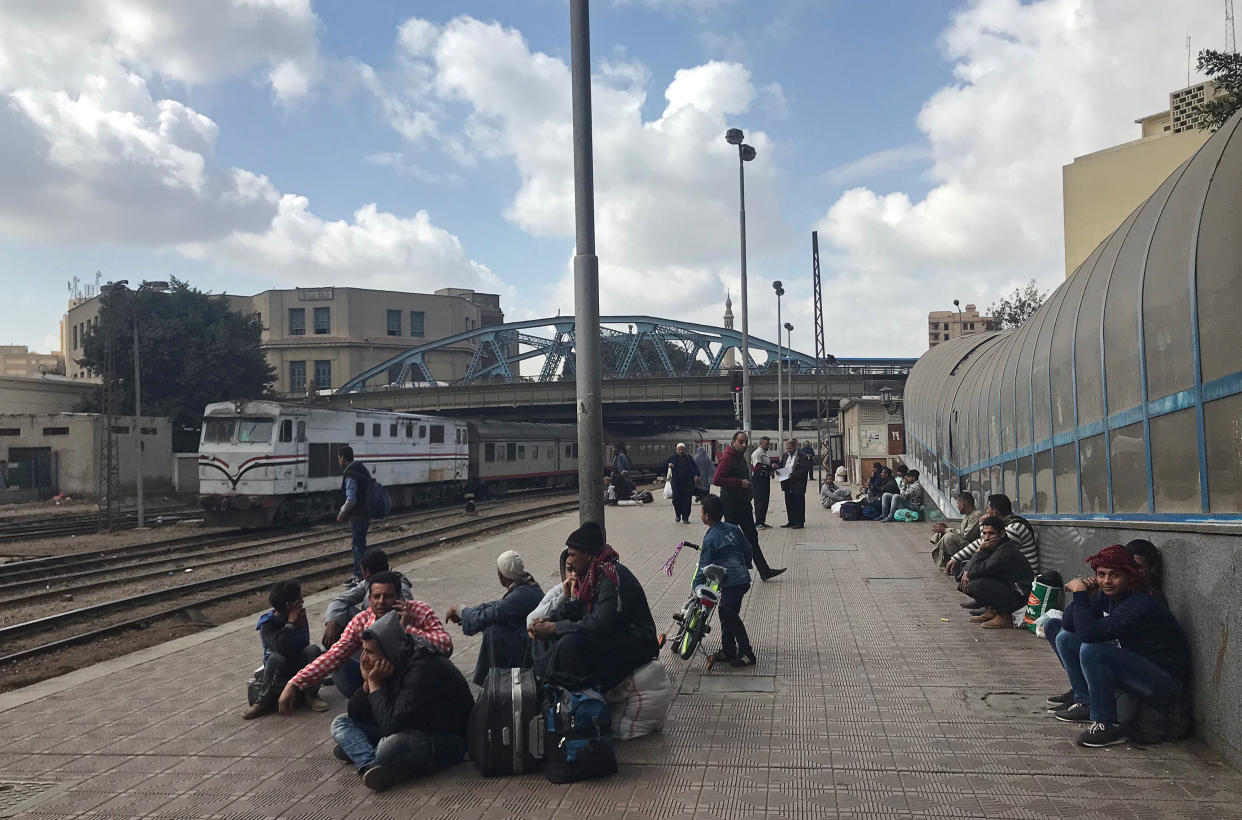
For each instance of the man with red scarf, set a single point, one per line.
(604, 631)
(1114, 635)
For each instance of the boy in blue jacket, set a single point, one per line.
(726, 546)
(1115, 635)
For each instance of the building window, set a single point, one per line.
(297, 321)
(75, 337)
(55, 431)
(323, 321)
(323, 375)
(297, 377)
(416, 323)
(149, 431)
(469, 323)
(394, 323)
(10, 431)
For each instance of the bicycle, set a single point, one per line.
(693, 621)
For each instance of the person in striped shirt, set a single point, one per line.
(385, 596)
(1017, 529)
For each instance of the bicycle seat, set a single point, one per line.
(705, 593)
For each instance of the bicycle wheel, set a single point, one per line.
(689, 639)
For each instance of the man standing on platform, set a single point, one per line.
(355, 481)
(761, 482)
(733, 479)
(795, 467)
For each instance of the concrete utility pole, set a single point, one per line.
(586, 278)
(142, 521)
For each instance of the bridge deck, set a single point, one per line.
(866, 703)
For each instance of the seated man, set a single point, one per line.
(997, 576)
(871, 487)
(503, 621)
(910, 497)
(830, 493)
(410, 715)
(555, 595)
(886, 485)
(1017, 530)
(1112, 637)
(605, 631)
(285, 635)
(416, 616)
(346, 605)
(949, 541)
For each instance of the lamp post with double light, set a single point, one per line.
(780, 358)
(745, 154)
(789, 379)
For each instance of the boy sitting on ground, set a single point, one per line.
(285, 635)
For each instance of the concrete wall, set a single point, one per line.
(1203, 582)
(185, 474)
(44, 394)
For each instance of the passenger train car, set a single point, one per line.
(265, 462)
(514, 455)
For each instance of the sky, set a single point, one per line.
(242, 145)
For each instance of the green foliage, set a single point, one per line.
(1225, 70)
(1014, 309)
(193, 350)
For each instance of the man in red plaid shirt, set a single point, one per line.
(416, 617)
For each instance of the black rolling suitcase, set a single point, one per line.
(506, 730)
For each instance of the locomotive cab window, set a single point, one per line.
(254, 431)
(301, 431)
(286, 430)
(360, 429)
(437, 434)
(219, 431)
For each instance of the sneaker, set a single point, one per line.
(1100, 734)
(339, 753)
(721, 657)
(970, 603)
(1061, 701)
(258, 710)
(1073, 714)
(771, 573)
(783, 526)
(983, 617)
(746, 658)
(317, 704)
(376, 777)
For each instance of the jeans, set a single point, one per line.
(358, 541)
(347, 678)
(277, 670)
(1097, 670)
(405, 753)
(733, 637)
(890, 503)
(763, 490)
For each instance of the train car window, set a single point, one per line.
(489, 451)
(575, 451)
(521, 453)
(511, 452)
(392, 430)
(422, 431)
(286, 430)
(567, 451)
(301, 431)
(409, 429)
(550, 451)
(253, 431)
(360, 429)
(219, 431)
(375, 430)
(437, 434)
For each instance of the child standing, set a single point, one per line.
(726, 546)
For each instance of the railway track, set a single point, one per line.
(51, 633)
(85, 523)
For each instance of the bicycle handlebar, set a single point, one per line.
(690, 544)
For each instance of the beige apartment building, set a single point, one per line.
(1102, 188)
(318, 338)
(943, 325)
(18, 360)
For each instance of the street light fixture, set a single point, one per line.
(960, 326)
(780, 363)
(745, 154)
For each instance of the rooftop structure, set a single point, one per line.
(943, 325)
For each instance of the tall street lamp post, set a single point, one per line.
(780, 359)
(745, 154)
(789, 381)
(586, 278)
(960, 327)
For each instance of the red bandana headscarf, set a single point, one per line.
(1117, 557)
(602, 564)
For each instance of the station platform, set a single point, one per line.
(873, 697)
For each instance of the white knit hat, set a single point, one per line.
(511, 565)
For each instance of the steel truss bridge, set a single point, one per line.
(632, 347)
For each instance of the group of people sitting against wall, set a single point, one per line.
(389, 654)
(1115, 635)
(890, 494)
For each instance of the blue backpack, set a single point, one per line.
(579, 741)
(379, 504)
(872, 511)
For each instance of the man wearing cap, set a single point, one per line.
(604, 631)
(1114, 636)
(503, 621)
(682, 474)
(733, 479)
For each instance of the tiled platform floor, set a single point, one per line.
(869, 704)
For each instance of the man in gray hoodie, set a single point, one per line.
(409, 717)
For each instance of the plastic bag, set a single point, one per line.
(668, 490)
(640, 703)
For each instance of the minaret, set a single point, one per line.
(730, 359)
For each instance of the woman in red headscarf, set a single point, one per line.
(1113, 635)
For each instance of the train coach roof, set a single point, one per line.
(275, 408)
(518, 430)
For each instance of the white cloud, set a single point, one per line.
(1036, 84)
(666, 188)
(878, 162)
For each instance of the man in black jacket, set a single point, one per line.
(410, 715)
(604, 631)
(1113, 635)
(355, 481)
(997, 576)
(503, 621)
(794, 485)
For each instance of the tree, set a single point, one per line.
(1225, 70)
(194, 349)
(1014, 309)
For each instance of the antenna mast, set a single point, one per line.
(1231, 39)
